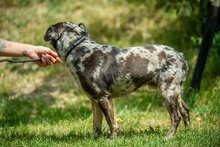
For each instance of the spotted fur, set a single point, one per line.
(104, 72)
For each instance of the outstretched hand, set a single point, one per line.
(48, 57)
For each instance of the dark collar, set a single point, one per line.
(79, 41)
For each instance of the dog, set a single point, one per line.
(104, 72)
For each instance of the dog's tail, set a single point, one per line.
(177, 59)
(185, 66)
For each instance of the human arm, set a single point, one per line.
(15, 49)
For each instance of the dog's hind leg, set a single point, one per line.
(107, 107)
(184, 111)
(171, 101)
(97, 118)
(171, 105)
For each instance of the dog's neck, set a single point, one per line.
(72, 43)
(75, 44)
(78, 41)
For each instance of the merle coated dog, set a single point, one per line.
(104, 72)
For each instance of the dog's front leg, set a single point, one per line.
(107, 107)
(97, 118)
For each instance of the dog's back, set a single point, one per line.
(106, 69)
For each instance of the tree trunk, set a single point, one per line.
(212, 23)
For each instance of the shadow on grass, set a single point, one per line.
(25, 110)
(79, 136)
(53, 100)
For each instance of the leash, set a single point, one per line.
(19, 61)
(80, 40)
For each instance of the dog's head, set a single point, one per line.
(61, 36)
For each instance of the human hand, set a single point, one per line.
(48, 57)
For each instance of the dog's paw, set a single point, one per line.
(113, 136)
(167, 137)
(97, 133)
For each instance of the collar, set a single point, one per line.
(79, 41)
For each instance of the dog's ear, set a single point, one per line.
(50, 34)
(53, 32)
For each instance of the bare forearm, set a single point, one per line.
(14, 49)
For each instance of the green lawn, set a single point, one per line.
(44, 107)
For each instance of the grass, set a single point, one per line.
(43, 107)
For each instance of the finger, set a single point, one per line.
(43, 62)
(51, 58)
(52, 53)
(39, 63)
(58, 59)
(54, 60)
(48, 59)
